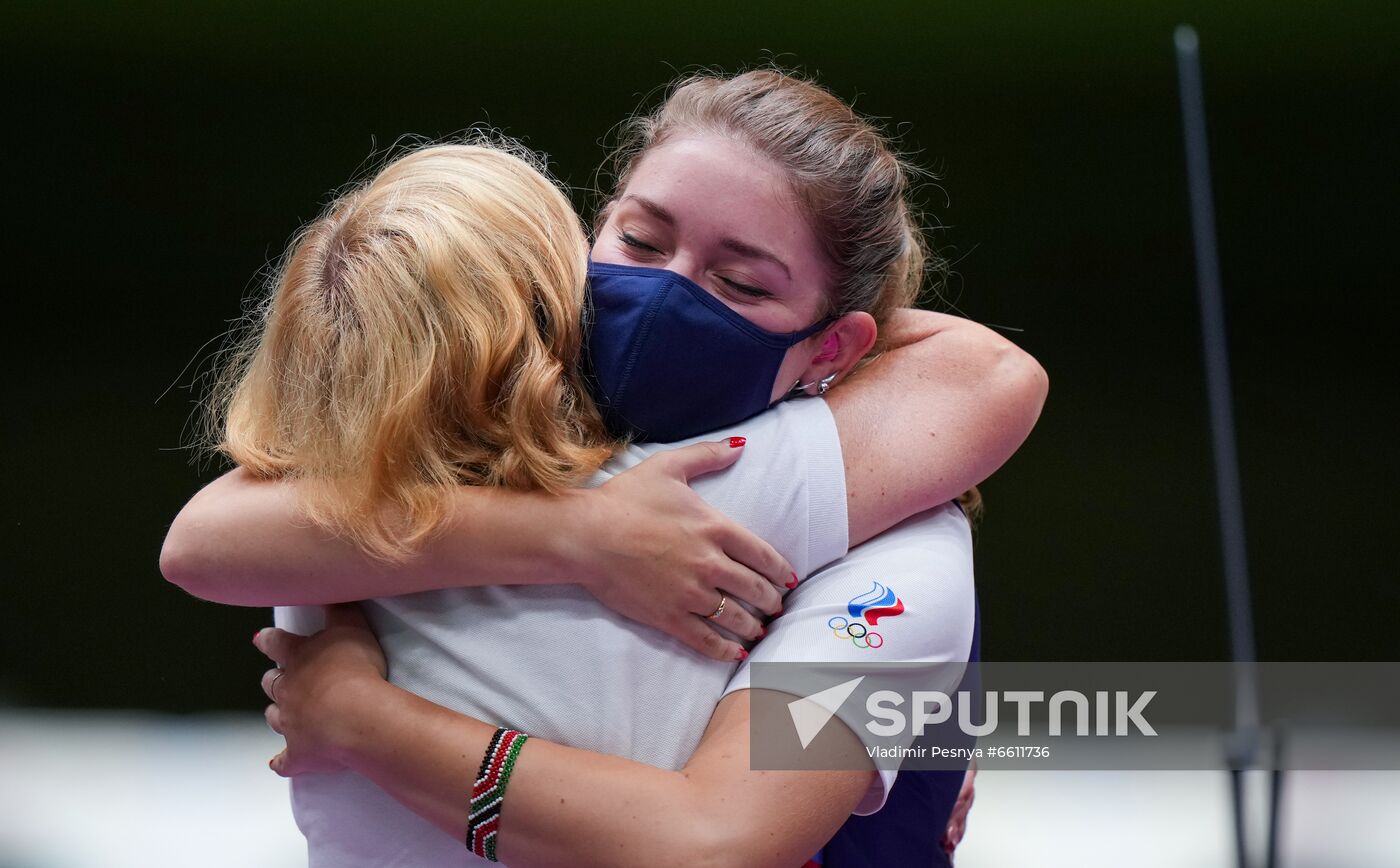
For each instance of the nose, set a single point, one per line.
(687, 265)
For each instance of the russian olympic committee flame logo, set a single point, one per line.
(876, 603)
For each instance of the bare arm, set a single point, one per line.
(576, 807)
(564, 805)
(927, 420)
(245, 541)
(644, 543)
(933, 416)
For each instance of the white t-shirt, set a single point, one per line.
(919, 575)
(552, 661)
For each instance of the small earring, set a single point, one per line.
(822, 385)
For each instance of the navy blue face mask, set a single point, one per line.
(667, 360)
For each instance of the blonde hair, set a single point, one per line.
(423, 333)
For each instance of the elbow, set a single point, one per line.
(1031, 382)
(722, 856)
(1014, 375)
(729, 842)
(715, 830)
(726, 851)
(721, 852)
(703, 831)
(1009, 387)
(190, 559)
(202, 549)
(180, 562)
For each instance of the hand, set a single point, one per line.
(652, 549)
(957, 821)
(312, 672)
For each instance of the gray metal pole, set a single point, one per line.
(1222, 420)
(1243, 745)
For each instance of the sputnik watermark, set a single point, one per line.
(1142, 716)
(934, 707)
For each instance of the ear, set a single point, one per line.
(843, 344)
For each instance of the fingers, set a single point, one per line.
(697, 633)
(273, 716)
(737, 620)
(957, 823)
(279, 764)
(742, 583)
(748, 548)
(277, 644)
(698, 459)
(346, 615)
(268, 686)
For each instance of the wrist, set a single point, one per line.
(350, 712)
(571, 547)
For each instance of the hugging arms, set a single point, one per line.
(938, 410)
(422, 753)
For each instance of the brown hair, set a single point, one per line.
(423, 333)
(846, 174)
(847, 177)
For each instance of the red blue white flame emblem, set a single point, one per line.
(876, 603)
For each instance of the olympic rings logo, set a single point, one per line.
(858, 633)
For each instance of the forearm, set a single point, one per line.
(243, 541)
(564, 805)
(946, 405)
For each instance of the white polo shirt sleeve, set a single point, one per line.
(788, 487)
(904, 597)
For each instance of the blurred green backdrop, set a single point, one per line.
(160, 154)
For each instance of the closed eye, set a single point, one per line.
(636, 243)
(751, 291)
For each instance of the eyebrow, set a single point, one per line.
(751, 252)
(742, 248)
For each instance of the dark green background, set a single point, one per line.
(159, 155)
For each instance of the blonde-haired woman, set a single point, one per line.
(418, 341)
(412, 386)
(548, 659)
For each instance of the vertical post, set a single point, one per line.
(1244, 743)
(1275, 798)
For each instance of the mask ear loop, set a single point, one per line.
(800, 388)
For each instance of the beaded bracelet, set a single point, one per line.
(489, 791)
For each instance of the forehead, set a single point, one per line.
(717, 187)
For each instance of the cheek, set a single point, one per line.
(606, 249)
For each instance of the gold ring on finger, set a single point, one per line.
(719, 610)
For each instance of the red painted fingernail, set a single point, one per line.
(736, 442)
(792, 584)
(255, 635)
(742, 655)
(762, 631)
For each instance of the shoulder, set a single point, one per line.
(945, 528)
(793, 428)
(906, 595)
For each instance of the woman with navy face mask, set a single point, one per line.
(714, 269)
